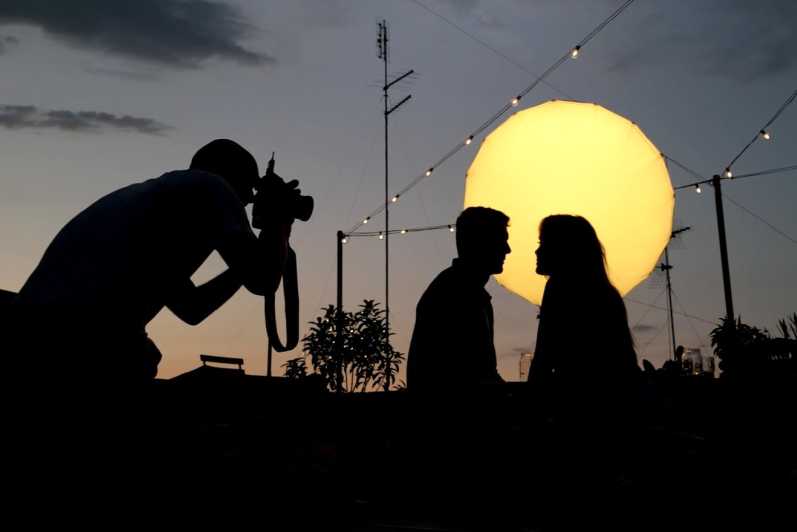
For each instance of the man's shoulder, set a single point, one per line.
(443, 287)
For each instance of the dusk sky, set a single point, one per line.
(98, 94)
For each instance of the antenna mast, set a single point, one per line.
(382, 53)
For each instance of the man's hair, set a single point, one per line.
(476, 225)
(228, 159)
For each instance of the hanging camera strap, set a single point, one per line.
(290, 290)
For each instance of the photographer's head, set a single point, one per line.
(231, 161)
(482, 238)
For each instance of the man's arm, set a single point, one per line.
(193, 304)
(257, 261)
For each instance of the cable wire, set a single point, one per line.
(760, 219)
(782, 108)
(488, 47)
(495, 117)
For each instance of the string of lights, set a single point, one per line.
(381, 234)
(764, 133)
(771, 171)
(767, 172)
(573, 53)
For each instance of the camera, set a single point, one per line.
(276, 199)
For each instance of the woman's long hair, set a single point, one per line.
(578, 258)
(575, 248)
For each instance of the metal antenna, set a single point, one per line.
(666, 267)
(382, 53)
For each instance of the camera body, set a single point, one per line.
(277, 200)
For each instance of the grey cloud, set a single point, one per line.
(6, 42)
(30, 117)
(180, 33)
(732, 39)
(125, 74)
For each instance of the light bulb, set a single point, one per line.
(395, 199)
(403, 231)
(365, 220)
(429, 172)
(698, 189)
(574, 52)
(343, 240)
(468, 140)
(451, 228)
(515, 101)
(728, 173)
(765, 135)
(381, 236)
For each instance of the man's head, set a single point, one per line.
(231, 161)
(482, 238)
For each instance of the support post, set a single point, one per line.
(726, 273)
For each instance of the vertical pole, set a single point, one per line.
(726, 273)
(387, 208)
(268, 365)
(339, 313)
(669, 297)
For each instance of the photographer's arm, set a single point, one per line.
(258, 261)
(193, 304)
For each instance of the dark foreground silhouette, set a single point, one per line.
(452, 342)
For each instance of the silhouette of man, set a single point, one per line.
(124, 258)
(452, 343)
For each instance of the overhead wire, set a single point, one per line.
(461, 144)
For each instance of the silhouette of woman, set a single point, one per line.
(585, 353)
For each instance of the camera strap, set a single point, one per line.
(290, 290)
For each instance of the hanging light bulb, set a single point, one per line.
(403, 231)
(451, 228)
(468, 140)
(365, 220)
(515, 101)
(574, 52)
(429, 172)
(728, 173)
(381, 236)
(344, 240)
(395, 198)
(698, 189)
(765, 135)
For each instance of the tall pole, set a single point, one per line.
(339, 313)
(726, 273)
(382, 47)
(384, 50)
(667, 268)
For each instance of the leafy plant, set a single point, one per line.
(746, 350)
(364, 361)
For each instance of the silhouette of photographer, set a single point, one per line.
(119, 262)
(88, 427)
(452, 343)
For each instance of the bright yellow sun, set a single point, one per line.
(575, 158)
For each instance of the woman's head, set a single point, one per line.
(569, 246)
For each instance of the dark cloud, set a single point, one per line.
(6, 42)
(733, 39)
(30, 117)
(181, 33)
(643, 328)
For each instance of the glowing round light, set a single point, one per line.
(575, 158)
